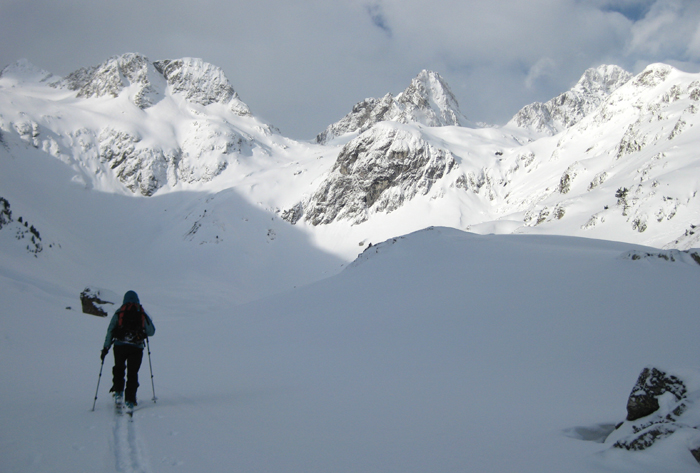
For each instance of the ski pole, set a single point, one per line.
(153, 387)
(98, 385)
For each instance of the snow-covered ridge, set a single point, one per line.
(156, 124)
(24, 71)
(428, 100)
(622, 167)
(200, 82)
(572, 106)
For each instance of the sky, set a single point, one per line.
(302, 64)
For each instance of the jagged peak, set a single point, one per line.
(603, 79)
(200, 82)
(110, 77)
(24, 71)
(427, 100)
(430, 101)
(377, 171)
(567, 109)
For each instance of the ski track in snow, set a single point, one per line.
(128, 446)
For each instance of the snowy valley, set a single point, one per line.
(409, 291)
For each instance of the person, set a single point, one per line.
(128, 339)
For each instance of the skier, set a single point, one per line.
(129, 327)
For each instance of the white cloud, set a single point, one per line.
(694, 45)
(667, 32)
(545, 67)
(303, 63)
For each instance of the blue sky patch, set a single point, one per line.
(633, 11)
(378, 18)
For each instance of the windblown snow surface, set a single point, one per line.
(439, 351)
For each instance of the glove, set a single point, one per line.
(104, 353)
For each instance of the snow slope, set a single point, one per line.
(440, 351)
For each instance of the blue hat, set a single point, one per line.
(131, 296)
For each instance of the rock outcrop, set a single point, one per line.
(662, 404)
(93, 299)
(376, 172)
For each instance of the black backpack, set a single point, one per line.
(131, 324)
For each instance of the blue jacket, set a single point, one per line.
(130, 296)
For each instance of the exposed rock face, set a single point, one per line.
(23, 231)
(200, 82)
(651, 384)
(142, 170)
(376, 172)
(428, 100)
(92, 300)
(113, 76)
(688, 256)
(661, 405)
(5, 212)
(572, 106)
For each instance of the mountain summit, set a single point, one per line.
(198, 81)
(572, 106)
(144, 124)
(428, 100)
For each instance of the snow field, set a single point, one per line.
(441, 351)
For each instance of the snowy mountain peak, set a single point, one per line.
(653, 75)
(113, 76)
(571, 107)
(428, 100)
(200, 82)
(24, 71)
(166, 138)
(601, 81)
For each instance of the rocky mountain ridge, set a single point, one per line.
(378, 170)
(611, 158)
(175, 140)
(572, 106)
(629, 156)
(199, 82)
(428, 100)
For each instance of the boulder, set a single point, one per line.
(661, 407)
(651, 384)
(92, 299)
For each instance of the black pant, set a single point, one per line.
(126, 358)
